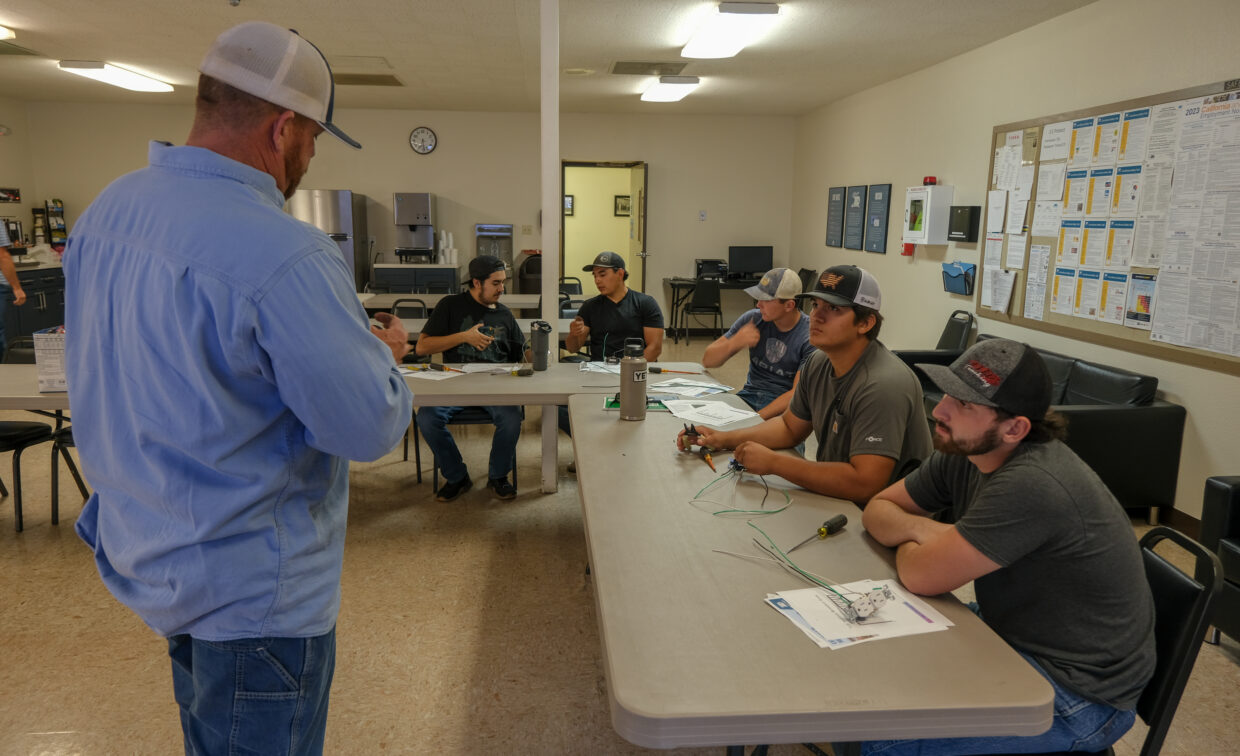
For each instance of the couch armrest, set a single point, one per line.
(1220, 511)
(1142, 473)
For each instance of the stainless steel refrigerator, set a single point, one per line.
(341, 214)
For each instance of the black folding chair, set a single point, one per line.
(703, 301)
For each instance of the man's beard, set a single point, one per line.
(989, 441)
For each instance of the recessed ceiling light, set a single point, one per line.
(7, 33)
(114, 75)
(730, 28)
(670, 88)
(578, 71)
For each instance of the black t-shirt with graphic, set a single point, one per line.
(461, 312)
(611, 322)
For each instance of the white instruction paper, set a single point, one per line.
(709, 413)
(904, 614)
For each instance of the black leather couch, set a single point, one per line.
(1115, 424)
(1220, 532)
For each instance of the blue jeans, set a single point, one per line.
(433, 422)
(757, 398)
(253, 696)
(1079, 725)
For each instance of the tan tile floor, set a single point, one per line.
(466, 628)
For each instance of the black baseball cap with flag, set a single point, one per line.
(847, 285)
(997, 373)
(605, 260)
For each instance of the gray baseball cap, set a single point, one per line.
(778, 283)
(605, 260)
(997, 373)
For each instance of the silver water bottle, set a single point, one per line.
(540, 343)
(633, 381)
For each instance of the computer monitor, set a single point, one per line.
(749, 262)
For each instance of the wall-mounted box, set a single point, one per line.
(962, 223)
(926, 210)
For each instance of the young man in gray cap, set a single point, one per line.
(776, 333)
(474, 327)
(215, 413)
(863, 404)
(1055, 564)
(616, 314)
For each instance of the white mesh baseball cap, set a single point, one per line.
(279, 66)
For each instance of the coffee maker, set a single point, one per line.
(415, 226)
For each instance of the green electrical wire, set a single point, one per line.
(787, 561)
(767, 490)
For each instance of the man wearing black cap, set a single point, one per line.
(473, 327)
(1056, 567)
(863, 404)
(616, 314)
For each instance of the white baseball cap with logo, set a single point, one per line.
(277, 65)
(778, 283)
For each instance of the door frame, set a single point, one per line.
(638, 206)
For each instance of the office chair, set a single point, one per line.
(808, 277)
(1182, 610)
(16, 436)
(571, 285)
(410, 307)
(957, 332)
(467, 416)
(704, 301)
(62, 440)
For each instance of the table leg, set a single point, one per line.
(550, 448)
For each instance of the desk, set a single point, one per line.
(19, 390)
(377, 302)
(415, 325)
(545, 389)
(693, 657)
(682, 289)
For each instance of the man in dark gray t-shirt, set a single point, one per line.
(863, 404)
(1056, 567)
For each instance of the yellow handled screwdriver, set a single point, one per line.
(830, 527)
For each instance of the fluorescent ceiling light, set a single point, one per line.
(730, 28)
(114, 75)
(6, 33)
(670, 88)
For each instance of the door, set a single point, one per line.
(608, 213)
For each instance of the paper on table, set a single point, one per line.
(905, 615)
(430, 375)
(495, 368)
(600, 367)
(711, 413)
(690, 388)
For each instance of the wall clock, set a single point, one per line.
(422, 140)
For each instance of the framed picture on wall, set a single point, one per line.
(622, 205)
(568, 204)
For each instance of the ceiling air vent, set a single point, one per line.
(8, 48)
(647, 68)
(366, 80)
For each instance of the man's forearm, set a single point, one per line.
(436, 344)
(777, 406)
(720, 351)
(891, 525)
(773, 434)
(573, 343)
(9, 269)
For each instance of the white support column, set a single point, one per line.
(549, 44)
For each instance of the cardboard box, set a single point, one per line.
(49, 356)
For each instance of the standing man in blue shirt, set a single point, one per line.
(776, 333)
(220, 383)
(10, 282)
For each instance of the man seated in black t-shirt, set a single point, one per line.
(616, 314)
(473, 327)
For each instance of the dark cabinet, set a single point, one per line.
(44, 307)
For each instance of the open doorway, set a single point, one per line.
(604, 210)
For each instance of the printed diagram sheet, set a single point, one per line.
(854, 613)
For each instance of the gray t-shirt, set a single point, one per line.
(874, 408)
(1071, 588)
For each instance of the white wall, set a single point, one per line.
(939, 122)
(484, 170)
(16, 169)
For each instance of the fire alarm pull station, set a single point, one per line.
(926, 215)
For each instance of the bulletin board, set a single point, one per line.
(1119, 225)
